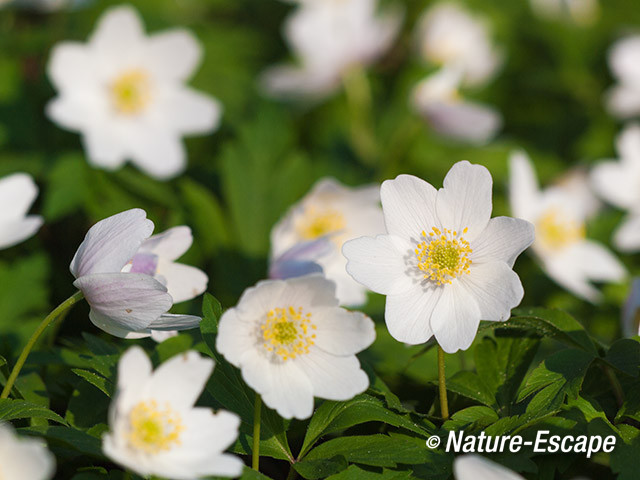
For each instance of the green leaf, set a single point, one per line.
(469, 385)
(15, 409)
(71, 437)
(98, 381)
(471, 417)
(173, 346)
(624, 458)
(211, 311)
(624, 355)
(356, 473)
(322, 468)
(251, 474)
(68, 187)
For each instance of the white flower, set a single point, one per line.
(301, 259)
(449, 35)
(155, 428)
(559, 214)
(581, 12)
(438, 100)
(292, 341)
(338, 213)
(623, 100)
(24, 458)
(17, 193)
(125, 298)
(328, 38)
(125, 93)
(444, 264)
(475, 467)
(631, 310)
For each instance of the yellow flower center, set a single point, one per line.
(287, 332)
(443, 255)
(317, 223)
(555, 231)
(131, 92)
(153, 429)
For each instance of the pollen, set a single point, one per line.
(154, 429)
(288, 332)
(555, 231)
(131, 92)
(443, 255)
(316, 223)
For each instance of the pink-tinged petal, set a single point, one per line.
(17, 194)
(409, 205)
(190, 112)
(144, 263)
(408, 315)
(455, 318)
(173, 54)
(175, 322)
(170, 244)
(464, 202)
(503, 240)
(342, 332)
(106, 324)
(131, 301)
(15, 231)
(70, 67)
(111, 243)
(300, 259)
(183, 282)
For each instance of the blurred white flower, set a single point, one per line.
(449, 35)
(444, 263)
(328, 38)
(17, 193)
(155, 428)
(581, 12)
(126, 302)
(337, 213)
(631, 311)
(559, 214)
(618, 182)
(125, 93)
(623, 100)
(475, 467)
(437, 98)
(24, 458)
(301, 259)
(293, 342)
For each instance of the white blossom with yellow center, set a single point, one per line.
(155, 428)
(444, 263)
(338, 213)
(125, 93)
(559, 214)
(24, 458)
(292, 342)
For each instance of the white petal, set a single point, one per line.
(160, 336)
(104, 147)
(379, 263)
(106, 324)
(70, 67)
(235, 337)
(17, 193)
(623, 101)
(623, 58)
(567, 271)
(627, 236)
(209, 432)
(475, 467)
(409, 206)
(131, 301)
(173, 54)
(341, 332)
(503, 240)
(523, 186)
(183, 282)
(496, 289)
(119, 29)
(465, 121)
(170, 322)
(408, 315)
(616, 183)
(160, 154)
(190, 112)
(455, 318)
(134, 370)
(290, 392)
(24, 458)
(67, 112)
(332, 377)
(111, 243)
(170, 244)
(312, 290)
(15, 231)
(465, 199)
(288, 81)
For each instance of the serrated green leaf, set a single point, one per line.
(624, 355)
(172, 346)
(469, 385)
(322, 468)
(98, 381)
(78, 440)
(356, 473)
(476, 416)
(15, 409)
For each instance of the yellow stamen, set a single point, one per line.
(443, 255)
(153, 429)
(555, 231)
(316, 223)
(288, 332)
(131, 92)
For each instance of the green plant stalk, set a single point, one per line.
(442, 385)
(358, 93)
(60, 309)
(255, 454)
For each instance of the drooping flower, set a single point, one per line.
(24, 458)
(475, 467)
(292, 342)
(155, 428)
(559, 214)
(580, 12)
(328, 38)
(618, 182)
(338, 213)
(444, 264)
(117, 279)
(17, 193)
(125, 93)
(623, 100)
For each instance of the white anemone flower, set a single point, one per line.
(24, 458)
(580, 12)
(328, 38)
(618, 182)
(338, 213)
(292, 342)
(301, 259)
(125, 93)
(449, 35)
(559, 214)
(119, 285)
(475, 467)
(17, 193)
(444, 263)
(155, 428)
(437, 98)
(623, 100)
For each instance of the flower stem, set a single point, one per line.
(255, 459)
(442, 384)
(63, 307)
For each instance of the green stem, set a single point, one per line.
(63, 307)
(442, 384)
(615, 385)
(358, 92)
(292, 473)
(255, 459)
